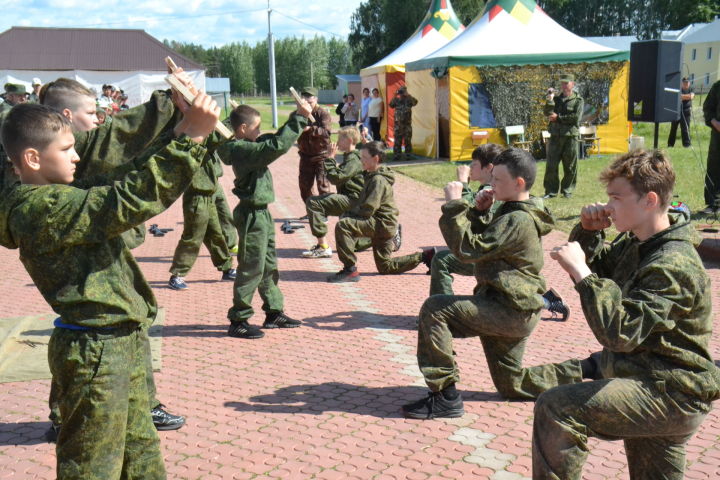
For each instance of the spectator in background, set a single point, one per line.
(122, 101)
(101, 115)
(351, 111)
(376, 109)
(364, 105)
(686, 95)
(14, 95)
(339, 110)
(106, 99)
(35, 95)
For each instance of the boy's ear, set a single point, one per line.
(67, 113)
(652, 200)
(520, 182)
(30, 158)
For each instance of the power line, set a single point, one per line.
(170, 17)
(307, 24)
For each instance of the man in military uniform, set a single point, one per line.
(686, 97)
(34, 97)
(313, 146)
(402, 131)
(711, 112)
(564, 113)
(647, 299)
(97, 350)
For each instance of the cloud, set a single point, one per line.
(207, 22)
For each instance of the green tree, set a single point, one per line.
(236, 63)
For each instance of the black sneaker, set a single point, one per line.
(52, 433)
(427, 256)
(435, 405)
(397, 239)
(164, 420)
(229, 274)
(244, 330)
(280, 320)
(347, 274)
(556, 306)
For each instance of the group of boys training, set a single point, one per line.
(71, 197)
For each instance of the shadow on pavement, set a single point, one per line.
(23, 433)
(382, 402)
(154, 259)
(196, 330)
(357, 319)
(304, 276)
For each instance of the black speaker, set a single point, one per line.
(655, 81)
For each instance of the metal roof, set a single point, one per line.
(217, 85)
(31, 48)
(709, 33)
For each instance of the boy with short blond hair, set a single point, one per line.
(69, 241)
(647, 300)
(347, 178)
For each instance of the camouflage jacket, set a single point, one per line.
(507, 251)
(250, 161)
(70, 244)
(205, 181)
(648, 304)
(316, 141)
(378, 201)
(7, 175)
(711, 105)
(403, 107)
(569, 111)
(348, 177)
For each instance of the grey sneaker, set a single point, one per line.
(318, 252)
(177, 283)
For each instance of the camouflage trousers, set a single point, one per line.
(561, 149)
(153, 402)
(257, 264)
(107, 430)
(312, 171)
(503, 332)
(320, 206)
(351, 235)
(443, 265)
(201, 226)
(403, 136)
(653, 422)
(226, 220)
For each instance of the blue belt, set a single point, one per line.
(79, 328)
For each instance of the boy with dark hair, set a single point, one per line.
(445, 264)
(646, 297)
(374, 217)
(250, 155)
(69, 241)
(347, 178)
(505, 308)
(77, 104)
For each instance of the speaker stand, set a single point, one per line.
(657, 134)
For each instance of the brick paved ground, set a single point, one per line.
(322, 401)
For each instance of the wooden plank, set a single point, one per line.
(189, 97)
(300, 100)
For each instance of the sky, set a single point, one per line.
(204, 22)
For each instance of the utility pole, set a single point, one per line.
(271, 55)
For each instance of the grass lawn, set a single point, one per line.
(689, 166)
(286, 105)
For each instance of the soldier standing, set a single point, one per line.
(564, 113)
(402, 131)
(711, 111)
(313, 145)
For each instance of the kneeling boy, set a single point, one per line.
(70, 244)
(374, 217)
(647, 299)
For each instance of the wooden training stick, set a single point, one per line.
(171, 65)
(299, 99)
(189, 97)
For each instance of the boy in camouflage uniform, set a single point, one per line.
(646, 298)
(507, 255)
(445, 264)
(77, 104)
(374, 216)
(711, 115)
(402, 130)
(347, 178)
(250, 155)
(201, 225)
(69, 241)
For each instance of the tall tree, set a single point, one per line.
(236, 63)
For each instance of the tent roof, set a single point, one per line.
(29, 48)
(515, 32)
(439, 26)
